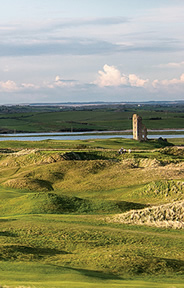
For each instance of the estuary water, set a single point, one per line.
(81, 135)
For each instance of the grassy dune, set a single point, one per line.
(74, 214)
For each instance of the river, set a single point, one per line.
(81, 135)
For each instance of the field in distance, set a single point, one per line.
(79, 214)
(93, 118)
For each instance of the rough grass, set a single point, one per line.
(50, 203)
(95, 173)
(49, 246)
(29, 184)
(168, 216)
(114, 143)
(66, 240)
(163, 190)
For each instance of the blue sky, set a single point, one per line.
(81, 50)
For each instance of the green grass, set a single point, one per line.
(39, 275)
(112, 144)
(51, 249)
(51, 203)
(85, 173)
(56, 198)
(178, 141)
(86, 120)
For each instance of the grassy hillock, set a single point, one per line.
(163, 189)
(79, 214)
(51, 203)
(109, 176)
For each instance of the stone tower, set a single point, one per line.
(139, 130)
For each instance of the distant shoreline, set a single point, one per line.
(128, 132)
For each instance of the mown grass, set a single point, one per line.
(40, 275)
(178, 141)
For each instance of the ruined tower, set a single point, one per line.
(139, 130)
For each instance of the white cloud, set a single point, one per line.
(29, 86)
(64, 83)
(126, 86)
(111, 76)
(172, 65)
(168, 83)
(11, 86)
(8, 86)
(136, 81)
(57, 78)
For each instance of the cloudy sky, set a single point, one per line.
(86, 51)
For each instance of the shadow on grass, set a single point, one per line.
(175, 265)
(126, 206)
(13, 251)
(7, 220)
(92, 273)
(44, 184)
(7, 234)
(157, 266)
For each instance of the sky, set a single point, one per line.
(55, 51)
